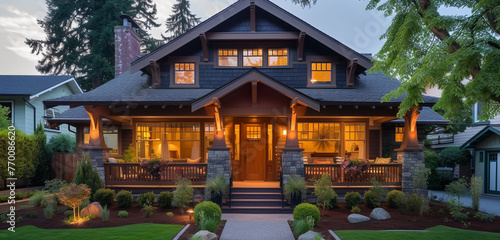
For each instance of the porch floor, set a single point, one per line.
(256, 184)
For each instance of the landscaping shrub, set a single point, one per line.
(414, 204)
(476, 188)
(352, 199)
(452, 156)
(49, 211)
(63, 143)
(4, 198)
(26, 148)
(394, 198)
(457, 188)
(183, 194)
(54, 185)
(485, 217)
(146, 198)
(207, 223)
(431, 159)
(303, 210)
(129, 155)
(148, 210)
(123, 214)
(324, 191)
(105, 213)
(73, 195)
(217, 186)
(372, 200)
(31, 214)
(165, 199)
(300, 227)
(37, 198)
(44, 158)
(124, 199)
(169, 214)
(209, 209)
(355, 209)
(104, 196)
(294, 186)
(86, 174)
(420, 177)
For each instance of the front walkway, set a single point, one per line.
(488, 203)
(257, 226)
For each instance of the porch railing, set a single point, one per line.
(133, 174)
(387, 174)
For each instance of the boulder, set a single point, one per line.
(309, 235)
(93, 208)
(205, 235)
(380, 214)
(357, 218)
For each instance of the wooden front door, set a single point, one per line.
(253, 150)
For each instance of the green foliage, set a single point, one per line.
(439, 179)
(209, 209)
(43, 169)
(169, 214)
(295, 185)
(217, 185)
(87, 175)
(63, 143)
(376, 195)
(4, 118)
(476, 188)
(104, 213)
(146, 199)
(300, 227)
(129, 155)
(394, 197)
(352, 199)
(372, 200)
(206, 222)
(420, 178)
(37, 198)
(26, 152)
(452, 156)
(183, 194)
(31, 214)
(431, 159)
(355, 209)
(303, 210)
(414, 204)
(165, 199)
(4, 198)
(49, 211)
(79, 37)
(181, 20)
(148, 209)
(104, 196)
(54, 185)
(123, 214)
(324, 191)
(424, 48)
(305, 3)
(457, 188)
(485, 217)
(124, 199)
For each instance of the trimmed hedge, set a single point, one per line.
(394, 198)
(210, 210)
(352, 199)
(105, 196)
(165, 199)
(124, 199)
(303, 210)
(144, 198)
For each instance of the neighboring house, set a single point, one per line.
(24, 96)
(252, 93)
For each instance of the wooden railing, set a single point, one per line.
(133, 174)
(387, 174)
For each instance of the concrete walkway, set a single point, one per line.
(256, 226)
(488, 203)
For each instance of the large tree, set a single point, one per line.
(181, 20)
(305, 3)
(80, 39)
(459, 54)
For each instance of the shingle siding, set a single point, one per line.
(341, 75)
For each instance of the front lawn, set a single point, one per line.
(136, 231)
(439, 232)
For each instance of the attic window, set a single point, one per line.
(277, 57)
(252, 57)
(321, 73)
(184, 73)
(228, 57)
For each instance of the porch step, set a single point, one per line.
(254, 190)
(256, 203)
(256, 200)
(256, 195)
(286, 209)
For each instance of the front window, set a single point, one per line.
(277, 57)
(110, 135)
(185, 73)
(228, 57)
(355, 136)
(252, 57)
(321, 73)
(399, 134)
(320, 141)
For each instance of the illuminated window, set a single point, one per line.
(321, 73)
(253, 133)
(252, 57)
(355, 137)
(277, 57)
(319, 137)
(399, 134)
(228, 57)
(269, 142)
(184, 73)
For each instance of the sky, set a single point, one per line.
(345, 20)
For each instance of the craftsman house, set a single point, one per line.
(252, 93)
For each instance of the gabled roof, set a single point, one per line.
(255, 74)
(234, 9)
(34, 85)
(481, 135)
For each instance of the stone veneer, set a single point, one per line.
(218, 163)
(97, 157)
(292, 163)
(411, 161)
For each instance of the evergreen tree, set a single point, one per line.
(457, 53)
(44, 158)
(80, 37)
(86, 174)
(181, 20)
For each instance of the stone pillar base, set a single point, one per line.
(98, 155)
(218, 163)
(411, 160)
(292, 163)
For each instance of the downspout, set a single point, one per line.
(34, 113)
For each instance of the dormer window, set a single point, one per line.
(185, 73)
(252, 57)
(321, 73)
(277, 57)
(228, 57)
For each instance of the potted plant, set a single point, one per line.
(154, 166)
(294, 188)
(216, 188)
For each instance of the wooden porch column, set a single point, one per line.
(96, 135)
(292, 140)
(410, 136)
(291, 158)
(219, 137)
(96, 149)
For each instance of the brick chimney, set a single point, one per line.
(127, 44)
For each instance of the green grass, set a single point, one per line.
(438, 232)
(136, 231)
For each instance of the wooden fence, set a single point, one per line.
(133, 174)
(389, 174)
(64, 166)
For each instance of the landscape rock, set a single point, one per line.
(380, 214)
(357, 218)
(205, 235)
(309, 235)
(93, 208)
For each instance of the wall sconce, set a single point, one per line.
(284, 132)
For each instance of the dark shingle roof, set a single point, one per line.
(427, 116)
(28, 84)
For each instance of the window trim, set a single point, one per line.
(185, 59)
(321, 59)
(252, 45)
(396, 133)
(287, 57)
(228, 48)
(263, 56)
